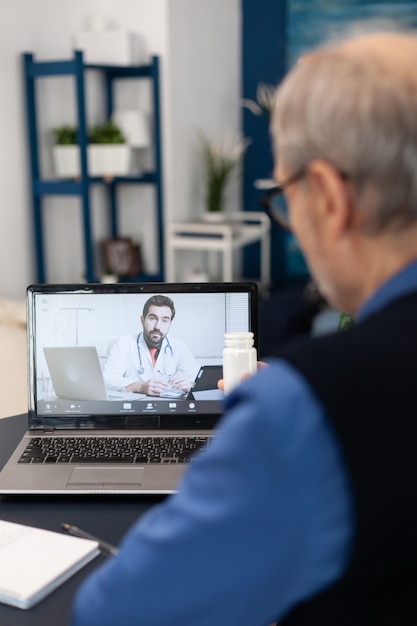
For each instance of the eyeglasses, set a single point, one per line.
(274, 204)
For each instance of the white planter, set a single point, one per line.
(108, 160)
(66, 161)
(103, 160)
(214, 217)
(109, 279)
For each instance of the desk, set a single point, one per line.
(104, 516)
(241, 229)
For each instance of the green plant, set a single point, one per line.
(65, 135)
(106, 133)
(220, 159)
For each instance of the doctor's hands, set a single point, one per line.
(156, 386)
(152, 387)
(181, 382)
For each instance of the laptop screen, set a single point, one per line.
(131, 355)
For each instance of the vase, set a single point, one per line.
(67, 161)
(215, 217)
(103, 160)
(108, 159)
(109, 279)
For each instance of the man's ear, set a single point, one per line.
(142, 320)
(333, 201)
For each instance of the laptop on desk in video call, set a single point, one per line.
(87, 434)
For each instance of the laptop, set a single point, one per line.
(81, 437)
(76, 374)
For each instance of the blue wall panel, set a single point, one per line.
(264, 60)
(313, 21)
(275, 33)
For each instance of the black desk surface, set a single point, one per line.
(107, 517)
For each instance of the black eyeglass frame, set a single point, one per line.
(266, 204)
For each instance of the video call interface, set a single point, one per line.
(96, 353)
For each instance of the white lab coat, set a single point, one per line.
(130, 361)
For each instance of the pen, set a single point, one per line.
(106, 548)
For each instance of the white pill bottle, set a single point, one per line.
(239, 358)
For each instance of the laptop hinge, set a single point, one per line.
(49, 429)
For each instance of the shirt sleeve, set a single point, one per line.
(262, 519)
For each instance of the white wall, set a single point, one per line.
(204, 86)
(198, 42)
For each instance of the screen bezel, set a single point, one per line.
(136, 421)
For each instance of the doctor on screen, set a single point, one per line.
(151, 362)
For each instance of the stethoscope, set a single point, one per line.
(141, 370)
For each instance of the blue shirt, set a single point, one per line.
(262, 519)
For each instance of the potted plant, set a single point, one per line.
(107, 151)
(220, 158)
(66, 153)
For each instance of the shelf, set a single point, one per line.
(40, 187)
(68, 187)
(36, 69)
(238, 230)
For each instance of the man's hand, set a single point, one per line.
(152, 387)
(180, 382)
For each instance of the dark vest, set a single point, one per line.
(366, 378)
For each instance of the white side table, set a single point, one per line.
(240, 229)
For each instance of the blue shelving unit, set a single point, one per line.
(76, 67)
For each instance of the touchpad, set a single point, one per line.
(101, 476)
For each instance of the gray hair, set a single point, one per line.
(359, 113)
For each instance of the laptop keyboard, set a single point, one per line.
(112, 449)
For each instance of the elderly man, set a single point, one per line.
(304, 508)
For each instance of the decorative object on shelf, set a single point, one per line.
(264, 102)
(104, 44)
(108, 153)
(220, 159)
(120, 257)
(134, 125)
(109, 278)
(66, 153)
(213, 216)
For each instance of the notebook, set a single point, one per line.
(37, 561)
(119, 423)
